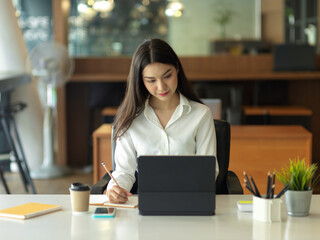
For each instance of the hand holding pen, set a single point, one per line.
(116, 194)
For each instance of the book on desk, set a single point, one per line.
(29, 210)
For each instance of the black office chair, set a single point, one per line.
(227, 181)
(12, 138)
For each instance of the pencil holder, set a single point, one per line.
(267, 210)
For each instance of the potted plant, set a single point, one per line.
(300, 179)
(222, 18)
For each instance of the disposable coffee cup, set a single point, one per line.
(80, 195)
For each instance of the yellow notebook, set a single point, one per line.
(28, 210)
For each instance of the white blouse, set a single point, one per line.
(189, 131)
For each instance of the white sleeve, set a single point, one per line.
(126, 163)
(206, 138)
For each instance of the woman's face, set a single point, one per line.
(161, 80)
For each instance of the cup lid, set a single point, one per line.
(79, 187)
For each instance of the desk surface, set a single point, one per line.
(228, 223)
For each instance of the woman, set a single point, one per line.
(160, 115)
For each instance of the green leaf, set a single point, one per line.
(299, 175)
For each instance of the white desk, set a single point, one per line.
(228, 223)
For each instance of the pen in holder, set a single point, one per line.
(267, 210)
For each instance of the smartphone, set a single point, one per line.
(104, 212)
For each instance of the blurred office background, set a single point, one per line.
(226, 46)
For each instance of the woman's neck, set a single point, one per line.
(165, 105)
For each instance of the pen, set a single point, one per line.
(255, 187)
(109, 173)
(283, 191)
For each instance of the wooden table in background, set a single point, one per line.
(101, 151)
(255, 149)
(277, 110)
(278, 115)
(259, 149)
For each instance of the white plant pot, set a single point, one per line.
(298, 202)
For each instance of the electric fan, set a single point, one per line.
(50, 64)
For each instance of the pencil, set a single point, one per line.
(246, 186)
(273, 183)
(268, 185)
(255, 187)
(248, 182)
(109, 173)
(283, 191)
(270, 191)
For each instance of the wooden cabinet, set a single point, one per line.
(259, 149)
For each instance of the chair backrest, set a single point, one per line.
(223, 152)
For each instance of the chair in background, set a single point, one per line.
(4, 159)
(3, 180)
(231, 100)
(215, 106)
(226, 183)
(11, 136)
(235, 112)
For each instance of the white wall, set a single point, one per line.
(192, 32)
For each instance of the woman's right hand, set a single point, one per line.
(118, 195)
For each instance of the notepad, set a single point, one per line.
(29, 210)
(245, 206)
(102, 200)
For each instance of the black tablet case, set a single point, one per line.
(176, 185)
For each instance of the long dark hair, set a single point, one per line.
(150, 51)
